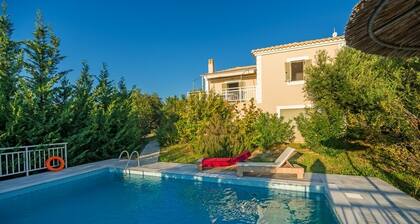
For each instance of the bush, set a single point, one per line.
(400, 163)
(321, 131)
(196, 112)
(182, 118)
(368, 100)
(214, 127)
(167, 133)
(218, 138)
(246, 119)
(377, 96)
(270, 129)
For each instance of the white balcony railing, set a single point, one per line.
(238, 94)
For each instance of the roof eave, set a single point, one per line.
(281, 49)
(248, 71)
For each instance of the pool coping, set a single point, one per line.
(354, 199)
(42, 178)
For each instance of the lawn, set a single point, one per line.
(180, 153)
(353, 162)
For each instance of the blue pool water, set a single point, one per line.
(107, 196)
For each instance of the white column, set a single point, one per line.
(258, 88)
(206, 84)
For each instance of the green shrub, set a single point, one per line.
(197, 110)
(183, 118)
(167, 133)
(270, 129)
(214, 127)
(246, 119)
(378, 96)
(321, 131)
(400, 165)
(217, 138)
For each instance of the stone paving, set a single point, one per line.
(150, 153)
(35, 179)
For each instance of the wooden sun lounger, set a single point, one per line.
(280, 166)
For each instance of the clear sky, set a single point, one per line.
(163, 46)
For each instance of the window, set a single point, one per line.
(233, 85)
(232, 91)
(296, 71)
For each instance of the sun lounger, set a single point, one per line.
(280, 166)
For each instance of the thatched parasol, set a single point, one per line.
(385, 27)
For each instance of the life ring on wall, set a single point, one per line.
(55, 169)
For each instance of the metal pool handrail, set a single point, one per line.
(129, 159)
(122, 153)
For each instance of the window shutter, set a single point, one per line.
(288, 70)
(224, 86)
(306, 64)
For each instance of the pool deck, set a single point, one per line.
(354, 199)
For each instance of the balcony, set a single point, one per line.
(238, 94)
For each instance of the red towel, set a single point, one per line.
(227, 161)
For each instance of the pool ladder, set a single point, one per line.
(129, 157)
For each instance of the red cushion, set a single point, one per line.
(222, 162)
(216, 162)
(242, 157)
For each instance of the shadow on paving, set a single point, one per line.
(359, 199)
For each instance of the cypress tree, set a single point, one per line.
(82, 100)
(11, 60)
(122, 89)
(43, 57)
(82, 129)
(63, 93)
(119, 116)
(103, 92)
(100, 117)
(43, 106)
(63, 119)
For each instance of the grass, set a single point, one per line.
(347, 162)
(341, 163)
(180, 153)
(351, 162)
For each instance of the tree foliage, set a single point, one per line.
(214, 127)
(11, 61)
(271, 129)
(367, 97)
(167, 134)
(40, 105)
(369, 100)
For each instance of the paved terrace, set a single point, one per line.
(354, 199)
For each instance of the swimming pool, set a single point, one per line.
(108, 196)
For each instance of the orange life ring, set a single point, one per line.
(55, 169)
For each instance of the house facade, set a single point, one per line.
(276, 81)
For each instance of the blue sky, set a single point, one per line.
(163, 46)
